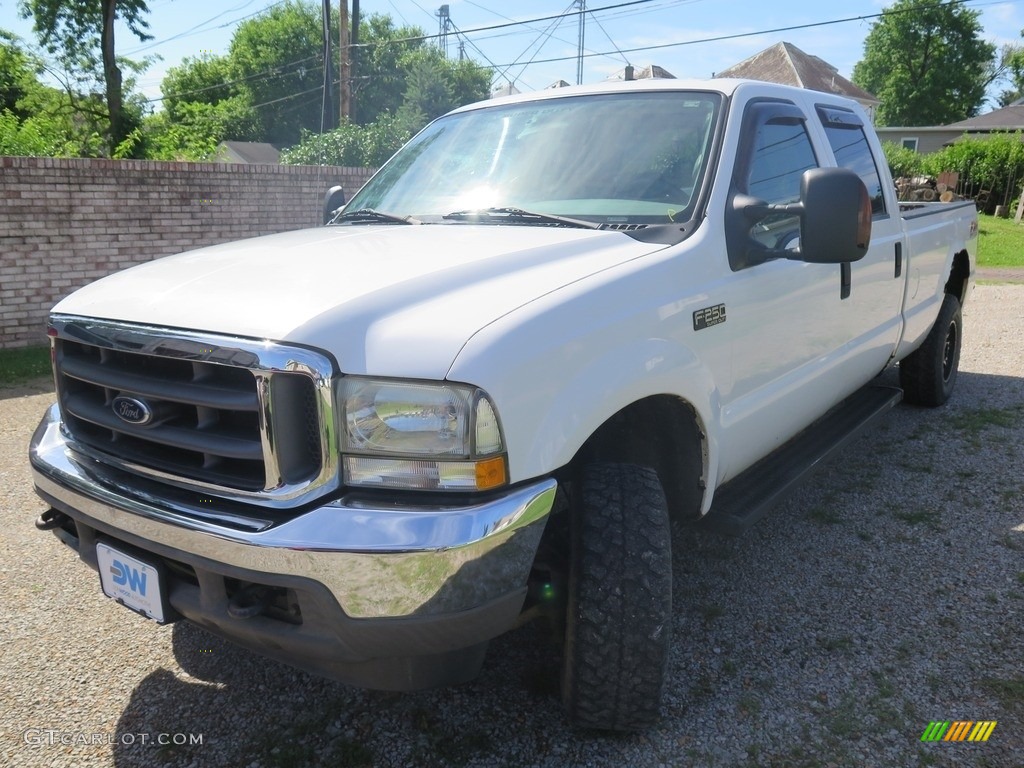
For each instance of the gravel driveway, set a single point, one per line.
(885, 594)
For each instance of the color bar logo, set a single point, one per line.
(960, 730)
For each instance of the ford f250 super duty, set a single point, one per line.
(548, 328)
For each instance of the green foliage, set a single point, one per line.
(80, 34)
(427, 95)
(278, 55)
(927, 62)
(18, 73)
(390, 72)
(994, 163)
(41, 121)
(1012, 69)
(382, 66)
(350, 145)
(198, 79)
(197, 129)
(21, 138)
(901, 160)
(275, 68)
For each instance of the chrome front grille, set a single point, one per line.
(239, 417)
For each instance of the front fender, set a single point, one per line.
(555, 383)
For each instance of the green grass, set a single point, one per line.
(1000, 242)
(1009, 691)
(17, 365)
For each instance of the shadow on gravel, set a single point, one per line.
(29, 388)
(229, 707)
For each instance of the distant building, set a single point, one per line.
(786, 64)
(931, 138)
(506, 90)
(246, 152)
(558, 84)
(650, 72)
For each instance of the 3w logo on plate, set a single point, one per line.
(959, 730)
(132, 577)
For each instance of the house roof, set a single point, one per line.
(1006, 119)
(247, 152)
(786, 64)
(650, 72)
(508, 89)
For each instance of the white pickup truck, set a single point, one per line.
(549, 327)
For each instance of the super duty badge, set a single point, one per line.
(705, 318)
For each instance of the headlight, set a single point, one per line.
(419, 436)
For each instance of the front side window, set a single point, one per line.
(782, 151)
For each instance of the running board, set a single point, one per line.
(744, 500)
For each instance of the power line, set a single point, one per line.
(275, 71)
(738, 35)
(266, 74)
(196, 29)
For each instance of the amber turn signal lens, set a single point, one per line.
(490, 473)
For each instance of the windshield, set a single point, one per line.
(625, 158)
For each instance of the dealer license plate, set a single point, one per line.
(132, 582)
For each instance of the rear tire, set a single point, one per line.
(928, 374)
(619, 613)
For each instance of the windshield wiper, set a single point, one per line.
(369, 215)
(506, 214)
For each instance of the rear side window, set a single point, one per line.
(850, 145)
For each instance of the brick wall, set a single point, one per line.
(67, 222)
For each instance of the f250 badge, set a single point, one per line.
(709, 316)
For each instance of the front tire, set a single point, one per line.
(928, 374)
(619, 613)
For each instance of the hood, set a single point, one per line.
(385, 300)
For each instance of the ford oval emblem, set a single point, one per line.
(132, 410)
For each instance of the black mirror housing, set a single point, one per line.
(835, 221)
(835, 217)
(333, 200)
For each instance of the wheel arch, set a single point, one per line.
(959, 276)
(662, 432)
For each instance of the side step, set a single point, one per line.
(744, 500)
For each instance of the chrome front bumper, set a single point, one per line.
(377, 560)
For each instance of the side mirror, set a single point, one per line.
(333, 200)
(835, 220)
(834, 215)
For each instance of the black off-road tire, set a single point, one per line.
(928, 374)
(619, 613)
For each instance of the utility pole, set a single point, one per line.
(579, 54)
(444, 21)
(327, 114)
(353, 61)
(344, 75)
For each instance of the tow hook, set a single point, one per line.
(50, 519)
(249, 602)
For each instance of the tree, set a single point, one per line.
(77, 29)
(18, 74)
(275, 65)
(278, 58)
(926, 62)
(36, 119)
(206, 79)
(1012, 70)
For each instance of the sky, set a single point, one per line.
(690, 31)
